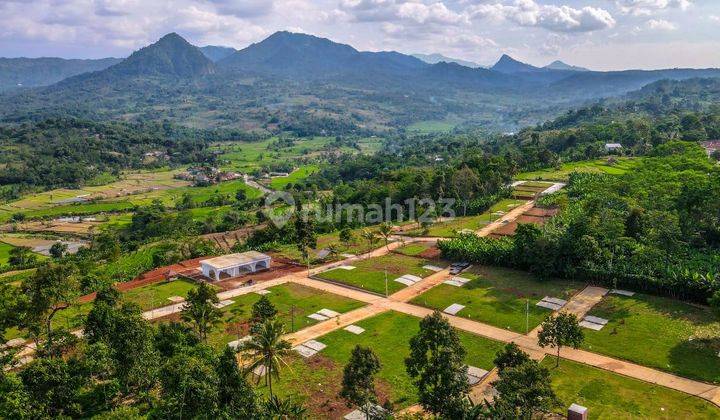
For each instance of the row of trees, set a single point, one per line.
(655, 229)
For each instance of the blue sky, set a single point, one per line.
(600, 34)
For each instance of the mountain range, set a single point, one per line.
(305, 81)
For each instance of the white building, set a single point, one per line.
(610, 147)
(234, 265)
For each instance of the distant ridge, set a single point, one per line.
(171, 55)
(33, 72)
(507, 64)
(559, 65)
(439, 58)
(216, 53)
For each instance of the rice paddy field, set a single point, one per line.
(618, 167)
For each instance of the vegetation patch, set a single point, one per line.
(370, 273)
(611, 166)
(499, 297)
(659, 332)
(611, 396)
(450, 228)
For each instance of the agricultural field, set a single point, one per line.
(449, 229)
(612, 396)
(4, 252)
(317, 380)
(683, 339)
(297, 175)
(294, 303)
(369, 273)
(499, 297)
(431, 126)
(621, 165)
(356, 246)
(250, 156)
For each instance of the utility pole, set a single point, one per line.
(527, 316)
(386, 284)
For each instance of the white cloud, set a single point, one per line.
(649, 7)
(528, 13)
(244, 8)
(714, 18)
(660, 25)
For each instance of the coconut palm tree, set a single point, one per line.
(385, 231)
(267, 348)
(370, 237)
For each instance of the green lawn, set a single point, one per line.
(661, 333)
(5, 252)
(248, 156)
(356, 246)
(622, 165)
(289, 299)
(297, 175)
(431, 126)
(497, 296)
(414, 249)
(611, 396)
(317, 380)
(369, 273)
(449, 228)
(156, 295)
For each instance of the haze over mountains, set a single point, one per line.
(301, 79)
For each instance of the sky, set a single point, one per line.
(599, 34)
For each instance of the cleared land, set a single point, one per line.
(661, 333)
(294, 303)
(297, 175)
(611, 396)
(369, 274)
(622, 165)
(317, 380)
(450, 228)
(498, 296)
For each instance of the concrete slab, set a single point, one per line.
(404, 281)
(622, 292)
(454, 308)
(348, 255)
(596, 320)
(591, 325)
(461, 279)
(176, 299)
(354, 329)
(314, 344)
(305, 351)
(548, 305)
(262, 292)
(235, 344)
(318, 317)
(454, 283)
(346, 267)
(223, 303)
(328, 313)
(412, 278)
(433, 268)
(556, 301)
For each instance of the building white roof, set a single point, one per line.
(235, 260)
(613, 145)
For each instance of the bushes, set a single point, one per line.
(469, 247)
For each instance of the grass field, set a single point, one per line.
(288, 299)
(431, 126)
(450, 228)
(661, 333)
(5, 252)
(249, 156)
(297, 175)
(370, 273)
(156, 295)
(356, 246)
(622, 165)
(317, 380)
(497, 296)
(611, 396)
(414, 249)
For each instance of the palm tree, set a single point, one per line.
(277, 408)
(369, 236)
(385, 230)
(266, 348)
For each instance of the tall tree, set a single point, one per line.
(190, 387)
(358, 384)
(267, 348)
(523, 391)
(385, 230)
(200, 311)
(52, 288)
(436, 365)
(510, 356)
(236, 398)
(262, 311)
(561, 330)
